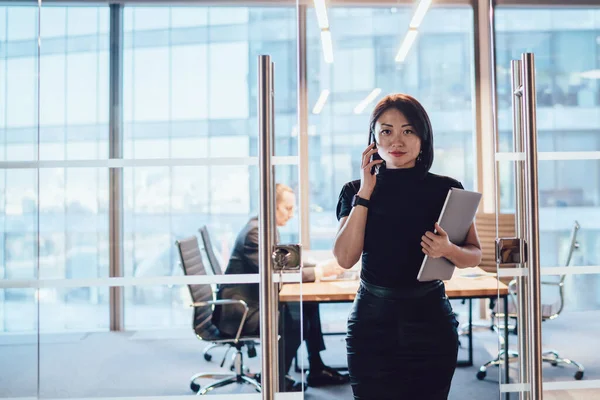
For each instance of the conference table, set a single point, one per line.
(467, 284)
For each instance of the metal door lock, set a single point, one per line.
(508, 251)
(287, 257)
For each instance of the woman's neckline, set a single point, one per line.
(400, 173)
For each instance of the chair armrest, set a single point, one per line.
(223, 302)
(512, 291)
(219, 302)
(512, 285)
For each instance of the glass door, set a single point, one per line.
(516, 309)
(130, 162)
(547, 197)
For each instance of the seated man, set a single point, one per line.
(244, 260)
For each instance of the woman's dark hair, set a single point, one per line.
(416, 115)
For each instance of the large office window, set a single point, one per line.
(71, 203)
(190, 91)
(438, 71)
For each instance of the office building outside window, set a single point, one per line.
(565, 43)
(438, 71)
(189, 89)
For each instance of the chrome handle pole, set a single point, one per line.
(268, 315)
(528, 101)
(520, 225)
(303, 141)
(279, 376)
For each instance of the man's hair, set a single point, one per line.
(280, 189)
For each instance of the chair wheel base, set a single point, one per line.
(481, 375)
(195, 387)
(207, 357)
(578, 375)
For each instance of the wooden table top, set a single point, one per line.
(471, 282)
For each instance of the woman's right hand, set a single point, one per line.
(367, 180)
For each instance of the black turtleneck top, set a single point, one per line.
(404, 205)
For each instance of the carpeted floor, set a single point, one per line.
(160, 363)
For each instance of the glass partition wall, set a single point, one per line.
(127, 127)
(19, 89)
(564, 41)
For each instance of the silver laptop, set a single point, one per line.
(456, 218)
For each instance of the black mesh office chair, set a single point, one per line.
(215, 267)
(202, 297)
(550, 311)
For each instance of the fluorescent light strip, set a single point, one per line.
(151, 162)
(591, 74)
(409, 39)
(363, 104)
(419, 14)
(327, 46)
(321, 11)
(321, 102)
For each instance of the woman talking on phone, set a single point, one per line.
(402, 340)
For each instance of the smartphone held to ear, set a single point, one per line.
(375, 168)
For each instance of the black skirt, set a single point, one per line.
(401, 345)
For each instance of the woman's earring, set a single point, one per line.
(419, 157)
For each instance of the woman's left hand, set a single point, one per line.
(436, 246)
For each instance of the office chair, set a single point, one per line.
(549, 312)
(215, 266)
(202, 298)
(210, 251)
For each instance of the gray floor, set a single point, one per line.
(160, 363)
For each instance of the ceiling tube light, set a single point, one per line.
(410, 37)
(321, 102)
(591, 74)
(367, 100)
(327, 46)
(321, 11)
(419, 14)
